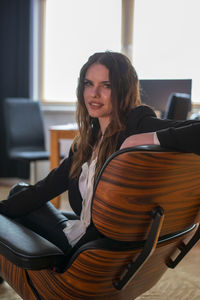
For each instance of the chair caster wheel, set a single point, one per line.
(1, 280)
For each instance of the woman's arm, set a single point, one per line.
(184, 138)
(179, 135)
(32, 198)
(139, 139)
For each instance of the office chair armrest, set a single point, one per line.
(26, 248)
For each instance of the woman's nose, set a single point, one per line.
(95, 91)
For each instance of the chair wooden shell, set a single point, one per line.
(146, 203)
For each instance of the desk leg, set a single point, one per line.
(55, 159)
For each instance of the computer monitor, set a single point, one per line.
(156, 92)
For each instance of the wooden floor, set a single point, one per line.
(182, 283)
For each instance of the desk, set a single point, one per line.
(58, 132)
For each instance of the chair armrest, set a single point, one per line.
(26, 248)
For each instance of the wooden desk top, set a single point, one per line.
(70, 126)
(68, 131)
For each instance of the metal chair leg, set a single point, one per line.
(33, 172)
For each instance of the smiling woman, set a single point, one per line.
(97, 94)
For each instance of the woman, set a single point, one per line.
(109, 116)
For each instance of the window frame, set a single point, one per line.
(127, 31)
(39, 7)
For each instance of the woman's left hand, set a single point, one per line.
(139, 139)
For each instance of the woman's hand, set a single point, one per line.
(139, 139)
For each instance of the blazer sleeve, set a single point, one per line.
(178, 135)
(185, 138)
(32, 198)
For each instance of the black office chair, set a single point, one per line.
(24, 132)
(179, 105)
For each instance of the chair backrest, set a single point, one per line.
(23, 124)
(178, 107)
(134, 183)
(139, 196)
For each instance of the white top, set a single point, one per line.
(76, 228)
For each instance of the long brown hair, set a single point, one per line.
(124, 96)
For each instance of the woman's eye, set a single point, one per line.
(87, 83)
(107, 85)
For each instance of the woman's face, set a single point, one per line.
(97, 94)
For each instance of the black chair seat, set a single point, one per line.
(26, 248)
(29, 155)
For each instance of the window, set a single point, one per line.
(166, 41)
(73, 30)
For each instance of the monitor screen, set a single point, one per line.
(156, 92)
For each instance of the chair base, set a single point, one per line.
(1, 280)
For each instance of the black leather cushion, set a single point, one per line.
(26, 248)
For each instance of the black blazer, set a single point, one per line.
(178, 135)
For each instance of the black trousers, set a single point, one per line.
(49, 223)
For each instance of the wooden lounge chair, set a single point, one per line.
(146, 204)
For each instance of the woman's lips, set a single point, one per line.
(95, 105)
